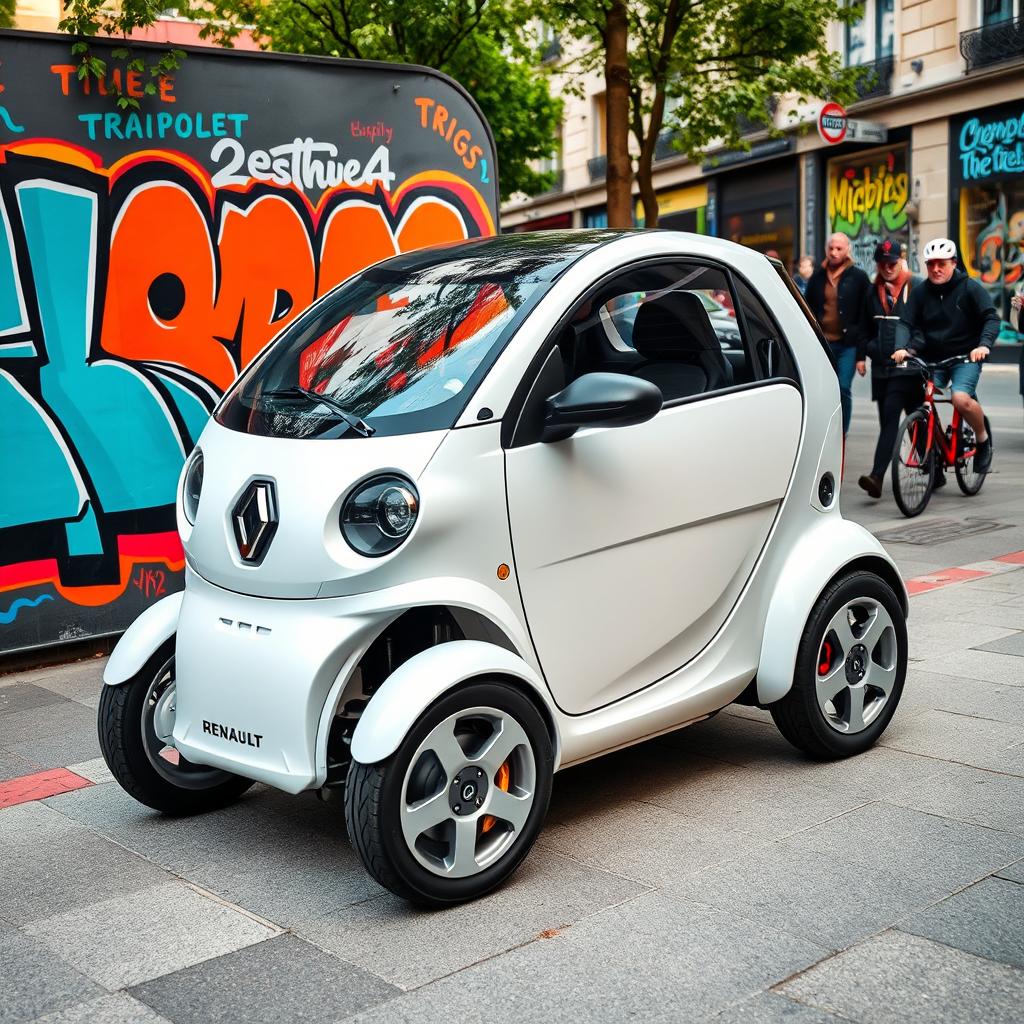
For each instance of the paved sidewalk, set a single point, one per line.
(713, 871)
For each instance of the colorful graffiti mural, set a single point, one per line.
(135, 283)
(987, 189)
(867, 199)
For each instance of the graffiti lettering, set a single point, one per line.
(877, 198)
(151, 582)
(297, 163)
(379, 130)
(447, 127)
(130, 298)
(995, 148)
(112, 125)
(131, 84)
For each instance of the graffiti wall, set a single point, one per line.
(146, 256)
(987, 192)
(867, 199)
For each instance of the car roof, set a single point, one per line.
(541, 255)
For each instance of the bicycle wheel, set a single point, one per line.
(969, 481)
(912, 465)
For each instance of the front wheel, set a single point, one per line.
(912, 465)
(453, 812)
(850, 668)
(135, 721)
(968, 480)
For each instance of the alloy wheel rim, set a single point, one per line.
(158, 712)
(468, 792)
(857, 665)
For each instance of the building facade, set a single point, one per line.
(943, 86)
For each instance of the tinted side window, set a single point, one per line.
(769, 352)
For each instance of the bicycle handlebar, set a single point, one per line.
(942, 364)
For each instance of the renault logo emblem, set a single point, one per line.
(255, 520)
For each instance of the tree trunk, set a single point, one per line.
(616, 76)
(645, 165)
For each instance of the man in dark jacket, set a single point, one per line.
(951, 314)
(896, 389)
(836, 294)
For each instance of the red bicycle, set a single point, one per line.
(924, 450)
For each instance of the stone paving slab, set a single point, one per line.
(95, 770)
(35, 980)
(22, 696)
(975, 698)
(118, 1008)
(80, 681)
(267, 983)
(970, 795)
(771, 1008)
(52, 736)
(656, 958)
(409, 948)
(900, 977)
(1012, 644)
(14, 765)
(986, 919)
(940, 854)
(976, 664)
(135, 937)
(1013, 871)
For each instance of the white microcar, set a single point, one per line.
(489, 510)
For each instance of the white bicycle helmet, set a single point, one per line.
(940, 249)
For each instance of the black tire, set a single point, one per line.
(124, 743)
(913, 476)
(373, 796)
(798, 715)
(968, 481)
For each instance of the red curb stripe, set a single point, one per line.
(942, 578)
(39, 786)
(1015, 558)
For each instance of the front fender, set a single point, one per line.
(153, 627)
(824, 550)
(417, 683)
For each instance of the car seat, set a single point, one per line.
(681, 352)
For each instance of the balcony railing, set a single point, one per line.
(993, 44)
(875, 78)
(598, 167)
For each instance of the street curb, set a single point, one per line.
(963, 573)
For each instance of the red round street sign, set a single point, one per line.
(832, 123)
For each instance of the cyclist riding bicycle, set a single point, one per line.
(951, 314)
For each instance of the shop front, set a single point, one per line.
(681, 209)
(986, 184)
(867, 200)
(557, 222)
(757, 207)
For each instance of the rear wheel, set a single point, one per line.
(453, 812)
(969, 481)
(135, 721)
(850, 668)
(913, 465)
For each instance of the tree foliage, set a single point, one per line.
(482, 44)
(723, 64)
(7, 13)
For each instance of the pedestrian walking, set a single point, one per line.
(951, 314)
(802, 274)
(836, 294)
(896, 389)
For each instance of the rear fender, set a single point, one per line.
(154, 627)
(826, 549)
(418, 682)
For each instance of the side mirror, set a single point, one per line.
(600, 400)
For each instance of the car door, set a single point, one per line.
(632, 544)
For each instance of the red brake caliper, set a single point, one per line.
(826, 659)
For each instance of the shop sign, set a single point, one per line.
(866, 131)
(832, 123)
(989, 145)
(867, 199)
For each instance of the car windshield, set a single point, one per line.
(386, 353)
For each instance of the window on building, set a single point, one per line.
(870, 37)
(995, 11)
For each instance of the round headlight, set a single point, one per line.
(192, 487)
(378, 516)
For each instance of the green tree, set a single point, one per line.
(480, 43)
(7, 13)
(723, 63)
